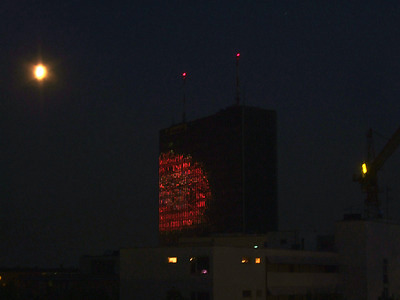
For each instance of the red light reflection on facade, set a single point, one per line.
(184, 192)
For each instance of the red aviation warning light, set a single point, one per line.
(184, 75)
(237, 55)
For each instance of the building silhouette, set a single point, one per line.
(218, 174)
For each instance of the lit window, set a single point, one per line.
(172, 259)
(257, 260)
(245, 260)
(364, 169)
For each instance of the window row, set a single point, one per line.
(198, 264)
(301, 268)
(248, 260)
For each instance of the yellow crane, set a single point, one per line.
(369, 173)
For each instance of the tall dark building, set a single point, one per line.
(218, 174)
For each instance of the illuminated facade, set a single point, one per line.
(183, 192)
(218, 174)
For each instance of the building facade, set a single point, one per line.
(364, 266)
(218, 270)
(218, 174)
(369, 256)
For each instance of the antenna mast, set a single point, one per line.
(184, 97)
(237, 79)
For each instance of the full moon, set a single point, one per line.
(40, 72)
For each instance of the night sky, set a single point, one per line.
(79, 153)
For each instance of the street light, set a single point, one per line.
(40, 72)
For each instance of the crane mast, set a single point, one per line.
(369, 173)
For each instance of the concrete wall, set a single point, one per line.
(146, 274)
(362, 247)
(303, 272)
(232, 277)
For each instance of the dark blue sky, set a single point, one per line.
(80, 153)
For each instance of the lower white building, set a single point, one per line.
(227, 272)
(364, 266)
